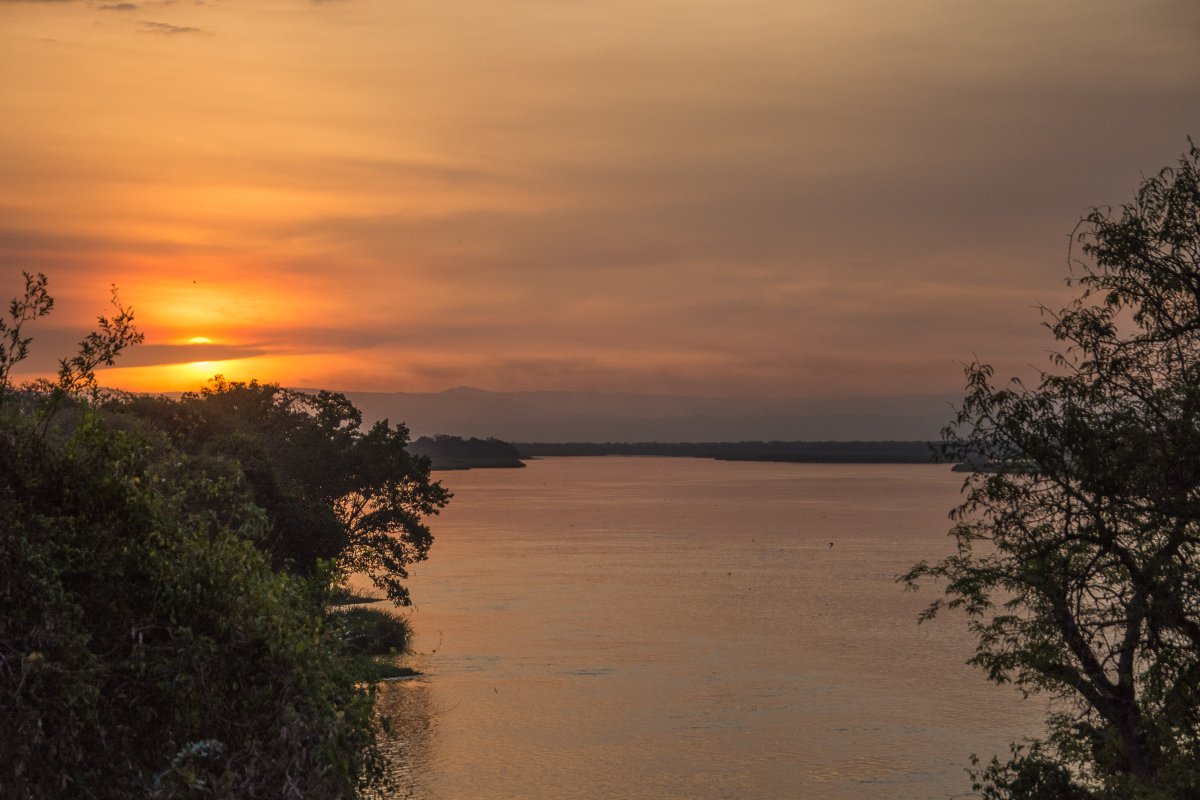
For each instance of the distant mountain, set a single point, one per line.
(623, 417)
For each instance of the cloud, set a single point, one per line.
(826, 196)
(149, 355)
(166, 29)
(119, 7)
(52, 342)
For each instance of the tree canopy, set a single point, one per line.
(165, 574)
(1078, 544)
(333, 492)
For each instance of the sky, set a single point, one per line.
(810, 199)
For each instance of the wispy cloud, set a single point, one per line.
(829, 197)
(166, 28)
(54, 342)
(149, 355)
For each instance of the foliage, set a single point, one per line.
(1077, 559)
(332, 491)
(147, 647)
(370, 631)
(14, 348)
(134, 628)
(454, 452)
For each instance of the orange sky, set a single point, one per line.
(757, 198)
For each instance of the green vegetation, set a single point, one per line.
(374, 638)
(370, 631)
(332, 491)
(165, 574)
(1078, 549)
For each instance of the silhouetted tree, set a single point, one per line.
(1078, 559)
(333, 492)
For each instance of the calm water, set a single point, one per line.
(678, 628)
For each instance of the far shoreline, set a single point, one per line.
(803, 452)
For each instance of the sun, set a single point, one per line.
(199, 340)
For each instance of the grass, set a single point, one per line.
(373, 637)
(343, 596)
(375, 668)
(370, 631)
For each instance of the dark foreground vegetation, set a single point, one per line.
(167, 572)
(1078, 545)
(454, 452)
(803, 452)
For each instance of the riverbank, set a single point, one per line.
(866, 452)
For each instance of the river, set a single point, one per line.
(661, 628)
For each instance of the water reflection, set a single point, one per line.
(411, 742)
(664, 629)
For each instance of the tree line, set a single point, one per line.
(868, 452)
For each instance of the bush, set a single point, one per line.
(146, 646)
(370, 631)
